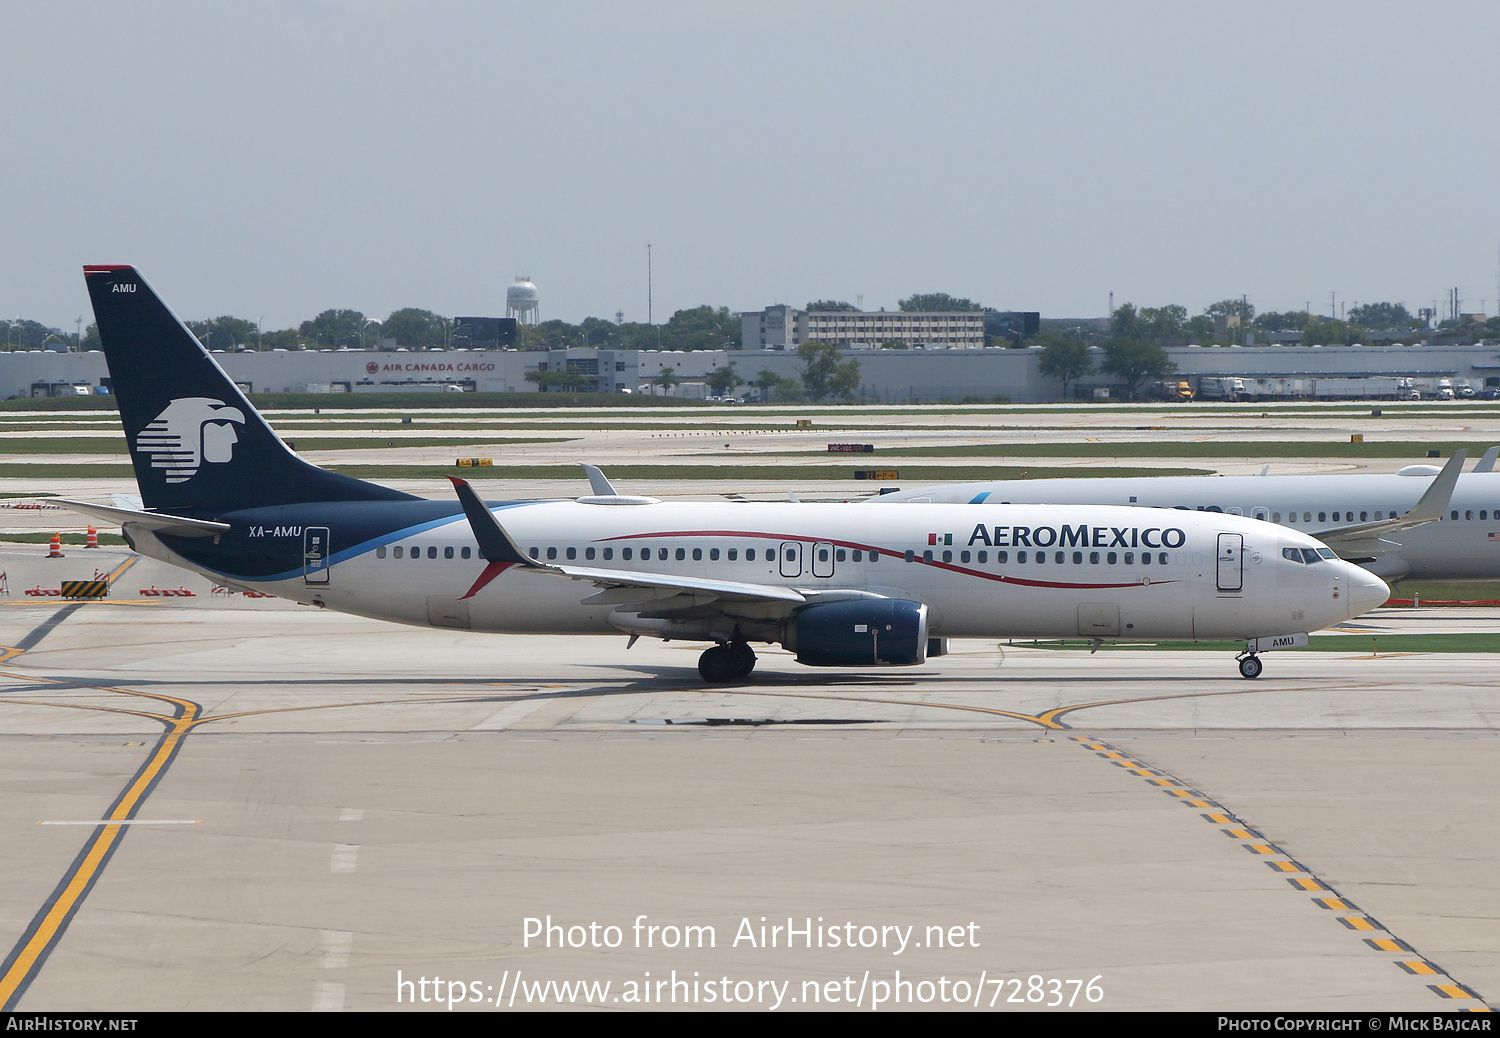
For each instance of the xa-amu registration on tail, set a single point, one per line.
(839, 585)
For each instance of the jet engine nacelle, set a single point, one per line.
(860, 633)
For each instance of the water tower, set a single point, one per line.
(521, 301)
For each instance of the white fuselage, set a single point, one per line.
(1465, 545)
(989, 571)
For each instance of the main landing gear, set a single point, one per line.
(724, 663)
(1250, 665)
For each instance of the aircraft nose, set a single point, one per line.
(1366, 591)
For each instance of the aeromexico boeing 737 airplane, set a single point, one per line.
(839, 585)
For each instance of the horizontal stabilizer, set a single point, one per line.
(176, 525)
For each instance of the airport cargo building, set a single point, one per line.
(917, 375)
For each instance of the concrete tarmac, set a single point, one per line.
(332, 813)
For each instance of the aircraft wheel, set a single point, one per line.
(716, 665)
(742, 659)
(1250, 667)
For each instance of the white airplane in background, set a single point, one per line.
(1421, 523)
(839, 585)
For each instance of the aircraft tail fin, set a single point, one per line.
(197, 445)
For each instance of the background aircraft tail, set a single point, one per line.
(197, 445)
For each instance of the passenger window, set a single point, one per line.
(697, 554)
(874, 555)
(572, 554)
(626, 554)
(1059, 557)
(415, 552)
(927, 555)
(1093, 558)
(1111, 558)
(1145, 558)
(464, 551)
(1021, 557)
(380, 552)
(1041, 557)
(448, 552)
(1161, 558)
(1307, 517)
(1002, 557)
(1077, 558)
(822, 554)
(1364, 517)
(749, 554)
(588, 553)
(661, 554)
(984, 556)
(911, 556)
(839, 555)
(734, 553)
(713, 555)
(1455, 513)
(681, 554)
(1275, 517)
(947, 556)
(609, 553)
(551, 554)
(1129, 558)
(963, 556)
(859, 555)
(1469, 514)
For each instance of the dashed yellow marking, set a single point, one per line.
(1387, 944)
(1360, 922)
(1218, 819)
(1334, 902)
(1263, 848)
(1452, 990)
(1286, 866)
(1308, 883)
(1242, 834)
(1419, 967)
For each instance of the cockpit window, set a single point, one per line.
(1327, 553)
(1310, 556)
(1291, 553)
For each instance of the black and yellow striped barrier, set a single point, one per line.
(85, 589)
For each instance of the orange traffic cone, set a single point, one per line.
(55, 550)
(93, 541)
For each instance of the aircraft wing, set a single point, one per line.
(626, 580)
(1363, 541)
(179, 526)
(618, 585)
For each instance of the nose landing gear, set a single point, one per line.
(721, 664)
(1250, 665)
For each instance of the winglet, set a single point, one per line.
(1487, 462)
(494, 543)
(1435, 500)
(598, 483)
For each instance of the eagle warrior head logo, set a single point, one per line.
(191, 432)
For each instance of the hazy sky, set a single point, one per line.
(273, 159)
